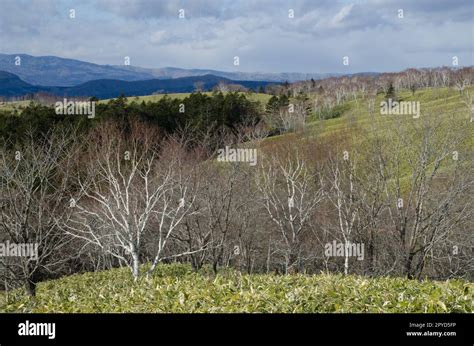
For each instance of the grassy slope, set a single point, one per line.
(444, 100)
(175, 288)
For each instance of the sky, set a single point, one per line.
(309, 36)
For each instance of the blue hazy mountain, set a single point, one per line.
(12, 85)
(56, 71)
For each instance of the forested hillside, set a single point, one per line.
(272, 189)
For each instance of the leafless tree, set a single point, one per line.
(34, 183)
(426, 204)
(343, 193)
(118, 197)
(218, 197)
(178, 202)
(289, 194)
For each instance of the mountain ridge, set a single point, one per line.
(65, 72)
(12, 85)
(56, 71)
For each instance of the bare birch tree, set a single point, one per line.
(343, 193)
(118, 198)
(289, 192)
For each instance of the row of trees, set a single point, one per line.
(200, 113)
(126, 193)
(348, 87)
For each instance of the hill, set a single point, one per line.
(176, 288)
(12, 85)
(354, 114)
(114, 88)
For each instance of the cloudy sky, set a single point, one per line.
(262, 33)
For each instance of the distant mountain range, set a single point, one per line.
(56, 71)
(174, 72)
(11, 85)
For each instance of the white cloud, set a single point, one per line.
(158, 37)
(341, 15)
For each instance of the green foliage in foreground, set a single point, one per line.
(175, 288)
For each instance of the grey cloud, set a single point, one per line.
(169, 9)
(21, 17)
(260, 32)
